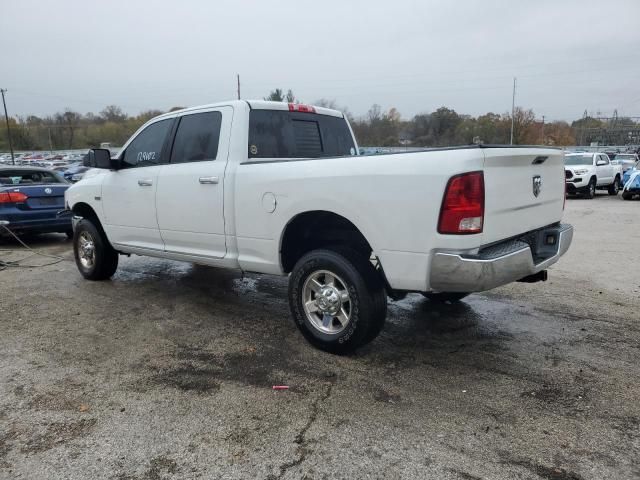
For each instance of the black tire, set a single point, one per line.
(443, 297)
(614, 188)
(367, 303)
(105, 259)
(69, 234)
(626, 196)
(590, 191)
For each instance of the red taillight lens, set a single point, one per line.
(462, 210)
(12, 197)
(298, 107)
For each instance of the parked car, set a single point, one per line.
(75, 172)
(30, 199)
(631, 182)
(627, 160)
(281, 190)
(587, 171)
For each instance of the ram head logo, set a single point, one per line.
(537, 185)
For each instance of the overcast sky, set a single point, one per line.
(416, 56)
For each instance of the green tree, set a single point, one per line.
(276, 95)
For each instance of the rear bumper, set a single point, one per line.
(53, 225)
(499, 264)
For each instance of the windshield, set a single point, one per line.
(578, 160)
(625, 157)
(29, 177)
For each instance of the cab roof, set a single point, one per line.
(256, 105)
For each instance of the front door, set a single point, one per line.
(129, 194)
(604, 172)
(190, 197)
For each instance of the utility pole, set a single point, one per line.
(543, 129)
(513, 108)
(238, 75)
(6, 119)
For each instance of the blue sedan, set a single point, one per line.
(631, 182)
(30, 199)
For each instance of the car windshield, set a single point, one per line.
(29, 177)
(625, 157)
(578, 160)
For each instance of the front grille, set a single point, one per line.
(568, 174)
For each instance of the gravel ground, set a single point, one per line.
(166, 372)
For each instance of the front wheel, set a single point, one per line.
(95, 257)
(614, 187)
(337, 299)
(591, 189)
(443, 297)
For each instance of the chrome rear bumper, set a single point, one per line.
(499, 264)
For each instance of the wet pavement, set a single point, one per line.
(166, 372)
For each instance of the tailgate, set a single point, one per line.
(512, 178)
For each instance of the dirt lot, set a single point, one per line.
(166, 372)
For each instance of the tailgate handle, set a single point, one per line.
(209, 180)
(145, 183)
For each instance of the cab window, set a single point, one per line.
(146, 149)
(283, 134)
(197, 138)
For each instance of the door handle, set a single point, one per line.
(145, 183)
(209, 180)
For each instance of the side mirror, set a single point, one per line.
(600, 163)
(98, 158)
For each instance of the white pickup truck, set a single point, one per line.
(588, 171)
(280, 189)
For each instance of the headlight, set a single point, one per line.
(580, 171)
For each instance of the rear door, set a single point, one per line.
(524, 190)
(129, 194)
(190, 196)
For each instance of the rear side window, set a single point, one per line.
(146, 149)
(197, 138)
(282, 134)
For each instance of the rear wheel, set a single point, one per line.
(443, 297)
(626, 196)
(95, 257)
(337, 299)
(614, 187)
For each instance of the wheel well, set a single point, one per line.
(594, 178)
(319, 229)
(84, 210)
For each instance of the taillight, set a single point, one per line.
(462, 210)
(12, 197)
(298, 107)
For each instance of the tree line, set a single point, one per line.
(378, 127)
